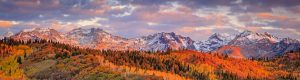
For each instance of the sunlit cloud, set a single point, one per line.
(237, 2)
(91, 22)
(152, 24)
(118, 7)
(270, 16)
(174, 7)
(7, 24)
(204, 28)
(130, 18)
(129, 9)
(66, 15)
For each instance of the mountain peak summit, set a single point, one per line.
(214, 41)
(7, 34)
(246, 33)
(220, 36)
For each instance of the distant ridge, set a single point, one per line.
(250, 44)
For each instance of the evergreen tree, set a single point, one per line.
(25, 54)
(226, 56)
(19, 60)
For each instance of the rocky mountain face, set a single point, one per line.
(99, 39)
(244, 45)
(286, 45)
(96, 38)
(214, 42)
(163, 41)
(39, 33)
(255, 45)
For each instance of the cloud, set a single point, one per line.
(33, 3)
(152, 24)
(237, 2)
(270, 28)
(168, 14)
(270, 16)
(7, 24)
(139, 17)
(92, 12)
(84, 23)
(91, 22)
(204, 28)
(186, 29)
(129, 9)
(174, 7)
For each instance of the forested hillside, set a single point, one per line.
(41, 59)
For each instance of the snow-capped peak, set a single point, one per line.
(253, 44)
(289, 41)
(254, 37)
(221, 37)
(163, 41)
(214, 42)
(39, 33)
(246, 33)
(7, 34)
(88, 31)
(96, 38)
(168, 37)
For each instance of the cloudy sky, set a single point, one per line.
(197, 19)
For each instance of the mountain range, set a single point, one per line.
(244, 45)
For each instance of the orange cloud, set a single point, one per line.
(168, 17)
(253, 28)
(270, 16)
(6, 24)
(186, 29)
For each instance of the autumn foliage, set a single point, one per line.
(42, 59)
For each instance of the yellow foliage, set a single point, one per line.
(9, 67)
(206, 69)
(21, 50)
(134, 70)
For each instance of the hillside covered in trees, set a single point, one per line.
(41, 59)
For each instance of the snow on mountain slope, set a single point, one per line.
(257, 45)
(254, 44)
(39, 33)
(214, 42)
(97, 38)
(247, 37)
(286, 45)
(163, 41)
(7, 34)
